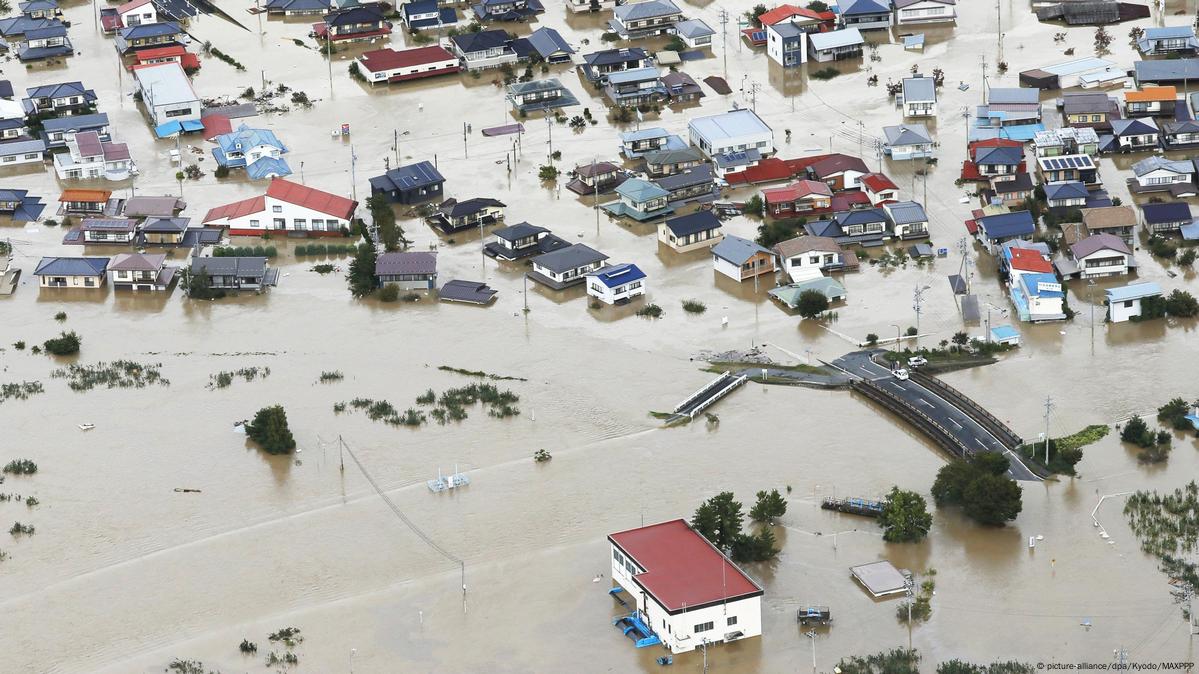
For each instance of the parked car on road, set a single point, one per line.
(917, 361)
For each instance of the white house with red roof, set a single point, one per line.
(687, 592)
(879, 188)
(288, 208)
(390, 65)
(137, 13)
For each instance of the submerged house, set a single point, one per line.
(1166, 218)
(741, 259)
(836, 45)
(908, 141)
(801, 198)
(908, 219)
(1181, 134)
(522, 240)
(235, 273)
(866, 14)
(1118, 221)
(731, 131)
(1066, 140)
(616, 284)
(390, 65)
(485, 49)
(1124, 302)
(596, 177)
(418, 14)
(918, 96)
(701, 229)
(1158, 174)
(1101, 255)
(147, 36)
(1167, 40)
(666, 162)
(1095, 111)
(635, 87)
(1077, 167)
(411, 184)
(506, 10)
(805, 257)
(636, 20)
(45, 43)
(538, 95)
(63, 98)
(696, 183)
(597, 65)
(409, 270)
(1133, 135)
(141, 271)
(908, 12)
(88, 157)
(453, 215)
(288, 208)
(641, 200)
(258, 151)
(1151, 102)
(567, 266)
(353, 22)
(71, 272)
(718, 603)
(995, 230)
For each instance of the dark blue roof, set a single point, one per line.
(855, 7)
(1000, 156)
(5, 89)
(1004, 225)
(480, 41)
(60, 90)
(354, 15)
(78, 122)
(412, 176)
(150, 30)
(699, 221)
(828, 228)
(1174, 211)
(1068, 190)
(71, 266)
(419, 7)
(861, 216)
(618, 275)
(613, 56)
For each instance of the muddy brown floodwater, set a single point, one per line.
(124, 574)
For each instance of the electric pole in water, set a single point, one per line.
(724, 31)
(1048, 407)
(917, 298)
(753, 96)
(909, 587)
(1121, 656)
(811, 634)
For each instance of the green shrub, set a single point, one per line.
(694, 306)
(389, 293)
(20, 467)
(65, 344)
(270, 430)
(650, 311)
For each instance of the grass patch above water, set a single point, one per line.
(225, 379)
(117, 374)
(694, 306)
(650, 311)
(478, 373)
(330, 376)
(20, 391)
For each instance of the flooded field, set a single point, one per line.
(125, 573)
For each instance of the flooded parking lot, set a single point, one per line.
(125, 573)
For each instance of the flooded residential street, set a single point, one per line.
(125, 573)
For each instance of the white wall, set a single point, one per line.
(1120, 313)
(727, 268)
(603, 293)
(289, 213)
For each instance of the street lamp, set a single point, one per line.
(897, 335)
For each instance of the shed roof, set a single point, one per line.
(1133, 291)
(738, 250)
(408, 262)
(834, 39)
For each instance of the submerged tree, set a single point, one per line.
(361, 277)
(270, 430)
(769, 506)
(905, 517)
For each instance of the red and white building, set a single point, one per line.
(175, 53)
(287, 208)
(879, 188)
(686, 591)
(803, 197)
(390, 65)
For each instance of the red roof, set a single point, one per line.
(972, 226)
(390, 59)
(308, 197)
(682, 569)
(131, 5)
(849, 200)
(773, 169)
(215, 125)
(877, 182)
(797, 190)
(780, 13)
(79, 195)
(993, 142)
(236, 209)
(1026, 259)
(970, 171)
(159, 52)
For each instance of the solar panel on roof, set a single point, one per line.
(758, 35)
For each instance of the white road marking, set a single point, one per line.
(956, 424)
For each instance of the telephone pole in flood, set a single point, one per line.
(724, 31)
(1048, 407)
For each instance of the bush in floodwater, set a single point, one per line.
(188, 667)
(270, 430)
(20, 467)
(824, 73)
(1137, 432)
(426, 398)
(389, 293)
(289, 636)
(411, 297)
(694, 306)
(412, 417)
(323, 269)
(330, 376)
(19, 345)
(273, 659)
(541, 456)
(248, 647)
(65, 344)
(871, 339)
(650, 311)
(339, 407)
(60, 316)
(32, 502)
(21, 529)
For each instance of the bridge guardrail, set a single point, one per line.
(938, 433)
(971, 408)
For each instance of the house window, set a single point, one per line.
(732, 620)
(1128, 304)
(1094, 118)
(704, 627)
(254, 223)
(280, 223)
(276, 209)
(32, 156)
(300, 224)
(9, 159)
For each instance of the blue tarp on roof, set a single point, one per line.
(173, 128)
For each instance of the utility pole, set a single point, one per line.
(1048, 407)
(549, 124)
(465, 150)
(909, 587)
(395, 145)
(341, 453)
(329, 57)
(724, 31)
(753, 96)
(999, 28)
(526, 293)
(811, 634)
(595, 197)
(353, 173)
(917, 298)
(1121, 656)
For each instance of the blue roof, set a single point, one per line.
(643, 134)
(246, 138)
(1000, 156)
(853, 7)
(71, 266)
(1031, 283)
(150, 30)
(1166, 32)
(412, 176)
(737, 250)
(633, 75)
(548, 41)
(73, 122)
(639, 190)
(1003, 332)
(268, 167)
(1133, 291)
(1132, 127)
(699, 221)
(861, 216)
(1170, 211)
(617, 275)
(1004, 225)
(1066, 190)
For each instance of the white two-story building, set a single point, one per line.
(286, 207)
(686, 593)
